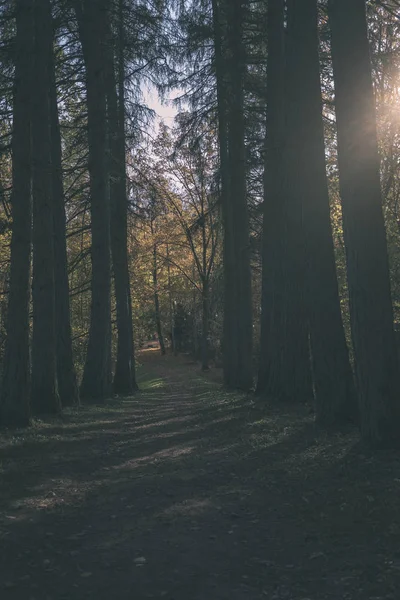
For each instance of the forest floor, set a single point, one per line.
(187, 492)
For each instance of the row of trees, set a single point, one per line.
(273, 176)
(304, 353)
(38, 197)
(297, 174)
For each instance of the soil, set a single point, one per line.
(188, 492)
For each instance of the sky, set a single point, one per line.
(164, 111)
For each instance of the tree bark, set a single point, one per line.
(205, 326)
(97, 379)
(285, 372)
(44, 394)
(296, 348)
(271, 375)
(371, 313)
(14, 401)
(243, 378)
(66, 374)
(124, 376)
(230, 355)
(171, 305)
(333, 380)
(157, 302)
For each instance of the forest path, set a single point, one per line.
(186, 492)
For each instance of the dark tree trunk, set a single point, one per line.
(296, 348)
(238, 195)
(285, 372)
(371, 313)
(97, 378)
(230, 333)
(195, 345)
(205, 326)
(333, 379)
(271, 375)
(157, 302)
(44, 394)
(124, 377)
(14, 404)
(171, 305)
(66, 374)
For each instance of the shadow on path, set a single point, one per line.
(187, 492)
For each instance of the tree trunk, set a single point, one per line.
(271, 376)
(171, 305)
(296, 347)
(44, 394)
(205, 326)
(97, 378)
(14, 402)
(157, 302)
(230, 334)
(66, 374)
(124, 377)
(285, 372)
(333, 380)
(371, 312)
(238, 195)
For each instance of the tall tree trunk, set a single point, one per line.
(97, 378)
(285, 369)
(66, 374)
(171, 305)
(44, 394)
(371, 313)
(238, 194)
(14, 401)
(124, 197)
(271, 375)
(204, 290)
(195, 345)
(157, 302)
(205, 325)
(124, 377)
(333, 379)
(230, 334)
(296, 349)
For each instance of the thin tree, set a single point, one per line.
(14, 403)
(171, 301)
(66, 374)
(44, 394)
(124, 378)
(154, 272)
(371, 312)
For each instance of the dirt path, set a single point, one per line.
(189, 493)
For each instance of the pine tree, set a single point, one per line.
(96, 382)
(271, 375)
(14, 403)
(371, 313)
(333, 380)
(66, 375)
(44, 394)
(242, 376)
(124, 378)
